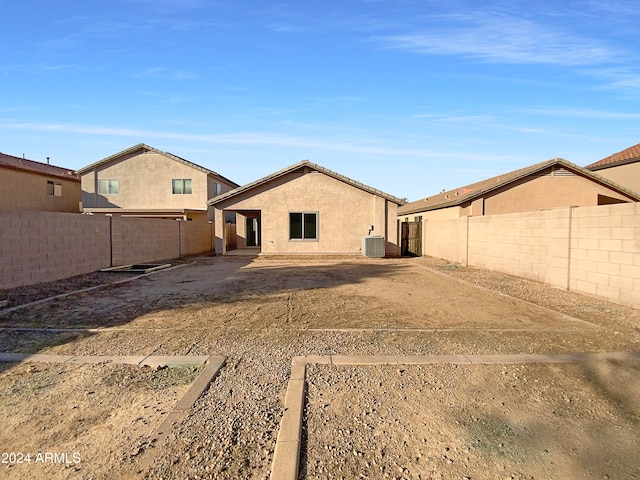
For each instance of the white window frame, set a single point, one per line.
(108, 186)
(182, 182)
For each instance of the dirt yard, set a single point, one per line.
(435, 421)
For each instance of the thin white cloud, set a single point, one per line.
(503, 39)
(581, 113)
(165, 73)
(252, 139)
(620, 8)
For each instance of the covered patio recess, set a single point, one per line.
(242, 233)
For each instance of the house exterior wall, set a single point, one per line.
(345, 214)
(626, 175)
(23, 190)
(440, 214)
(591, 250)
(528, 195)
(547, 192)
(145, 182)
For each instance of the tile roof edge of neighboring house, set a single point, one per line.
(24, 164)
(296, 166)
(154, 150)
(623, 157)
(594, 167)
(510, 178)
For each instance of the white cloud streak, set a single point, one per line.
(504, 39)
(581, 113)
(253, 139)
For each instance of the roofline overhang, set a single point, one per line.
(61, 176)
(293, 168)
(542, 166)
(169, 155)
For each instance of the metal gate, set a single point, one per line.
(411, 239)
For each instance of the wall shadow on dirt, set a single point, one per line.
(581, 421)
(244, 282)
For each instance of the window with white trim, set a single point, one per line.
(303, 225)
(107, 186)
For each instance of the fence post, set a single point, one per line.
(110, 239)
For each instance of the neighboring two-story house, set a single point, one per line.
(143, 181)
(31, 185)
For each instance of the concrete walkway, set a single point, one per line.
(140, 360)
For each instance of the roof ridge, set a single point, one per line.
(296, 166)
(487, 185)
(21, 163)
(170, 155)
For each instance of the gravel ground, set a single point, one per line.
(260, 313)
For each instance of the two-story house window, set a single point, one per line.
(108, 186)
(54, 188)
(181, 185)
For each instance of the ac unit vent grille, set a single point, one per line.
(373, 246)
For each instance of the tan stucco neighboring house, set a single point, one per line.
(31, 185)
(306, 209)
(143, 181)
(552, 184)
(622, 167)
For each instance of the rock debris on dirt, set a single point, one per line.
(431, 421)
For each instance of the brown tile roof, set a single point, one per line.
(19, 163)
(468, 193)
(300, 165)
(628, 155)
(144, 146)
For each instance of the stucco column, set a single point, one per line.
(218, 228)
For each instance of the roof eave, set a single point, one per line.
(159, 152)
(294, 167)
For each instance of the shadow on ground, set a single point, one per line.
(210, 291)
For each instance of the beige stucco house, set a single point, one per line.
(622, 168)
(552, 184)
(31, 185)
(143, 181)
(306, 209)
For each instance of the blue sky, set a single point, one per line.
(406, 96)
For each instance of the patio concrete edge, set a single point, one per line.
(286, 458)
